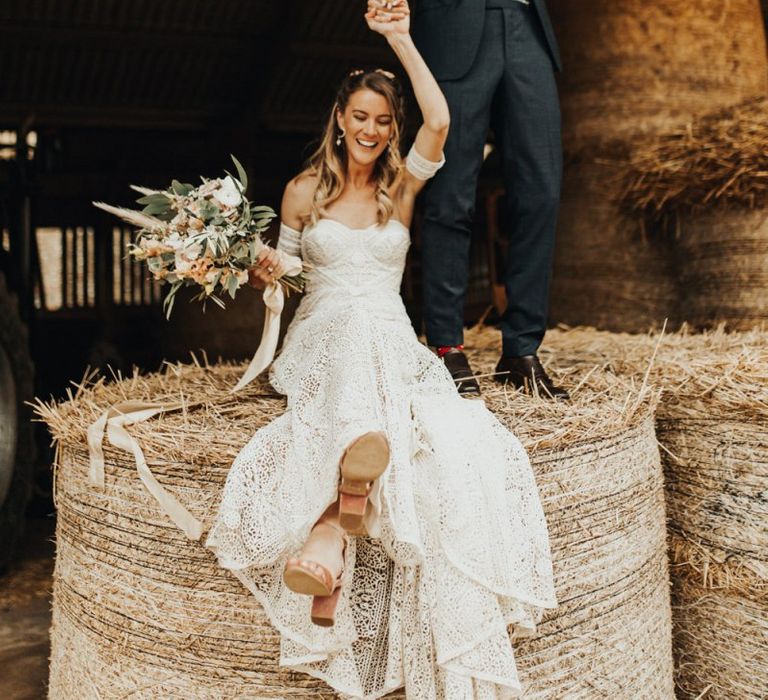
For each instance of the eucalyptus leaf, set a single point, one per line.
(254, 247)
(155, 263)
(232, 285)
(166, 215)
(171, 298)
(239, 250)
(208, 210)
(181, 188)
(154, 198)
(240, 172)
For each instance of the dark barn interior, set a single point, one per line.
(99, 95)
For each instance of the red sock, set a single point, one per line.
(442, 349)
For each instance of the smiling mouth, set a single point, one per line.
(370, 145)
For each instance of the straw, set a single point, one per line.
(718, 159)
(140, 611)
(712, 427)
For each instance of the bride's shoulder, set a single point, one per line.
(297, 199)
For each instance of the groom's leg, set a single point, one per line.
(532, 156)
(449, 200)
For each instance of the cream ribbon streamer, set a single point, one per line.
(274, 300)
(113, 420)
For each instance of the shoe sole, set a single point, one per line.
(302, 581)
(364, 461)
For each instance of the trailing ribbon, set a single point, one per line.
(114, 419)
(274, 300)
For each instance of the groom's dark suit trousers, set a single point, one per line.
(510, 87)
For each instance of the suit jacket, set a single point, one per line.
(447, 34)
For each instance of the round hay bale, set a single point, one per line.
(141, 610)
(639, 67)
(720, 640)
(704, 188)
(723, 258)
(712, 423)
(628, 289)
(718, 158)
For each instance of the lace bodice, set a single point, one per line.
(361, 267)
(362, 261)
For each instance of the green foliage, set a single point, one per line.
(231, 285)
(170, 298)
(182, 189)
(208, 210)
(229, 244)
(240, 173)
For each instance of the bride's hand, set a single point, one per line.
(269, 268)
(388, 17)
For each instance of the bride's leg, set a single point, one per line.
(317, 570)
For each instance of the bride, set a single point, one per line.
(391, 529)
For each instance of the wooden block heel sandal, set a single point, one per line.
(364, 460)
(312, 578)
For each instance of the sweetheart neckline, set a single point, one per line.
(366, 228)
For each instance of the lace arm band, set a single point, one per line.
(289, 240)
(419, 166)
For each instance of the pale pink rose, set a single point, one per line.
(175, 241)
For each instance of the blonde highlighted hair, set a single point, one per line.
(329, 162)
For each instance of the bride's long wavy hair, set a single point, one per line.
(329, 162)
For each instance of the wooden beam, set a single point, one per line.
(359, 53)
(95, 114)
(31, 37)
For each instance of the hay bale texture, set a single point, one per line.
(704, 188)
(712, 425)
(606, 272)
(635, 69)
(139, 610)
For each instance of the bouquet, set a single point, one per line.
(209, 235)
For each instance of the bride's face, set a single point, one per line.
(367, 121)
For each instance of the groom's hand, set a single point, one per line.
(388, 17)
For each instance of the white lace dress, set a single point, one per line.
(459, 547)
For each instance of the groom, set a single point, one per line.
(495, 62)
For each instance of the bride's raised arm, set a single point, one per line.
(391, 20)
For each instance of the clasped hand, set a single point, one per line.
(269, 268)
(388, 16)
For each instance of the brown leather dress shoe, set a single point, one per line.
(525, 371)
(458, 365)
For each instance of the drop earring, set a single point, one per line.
(341, 135)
